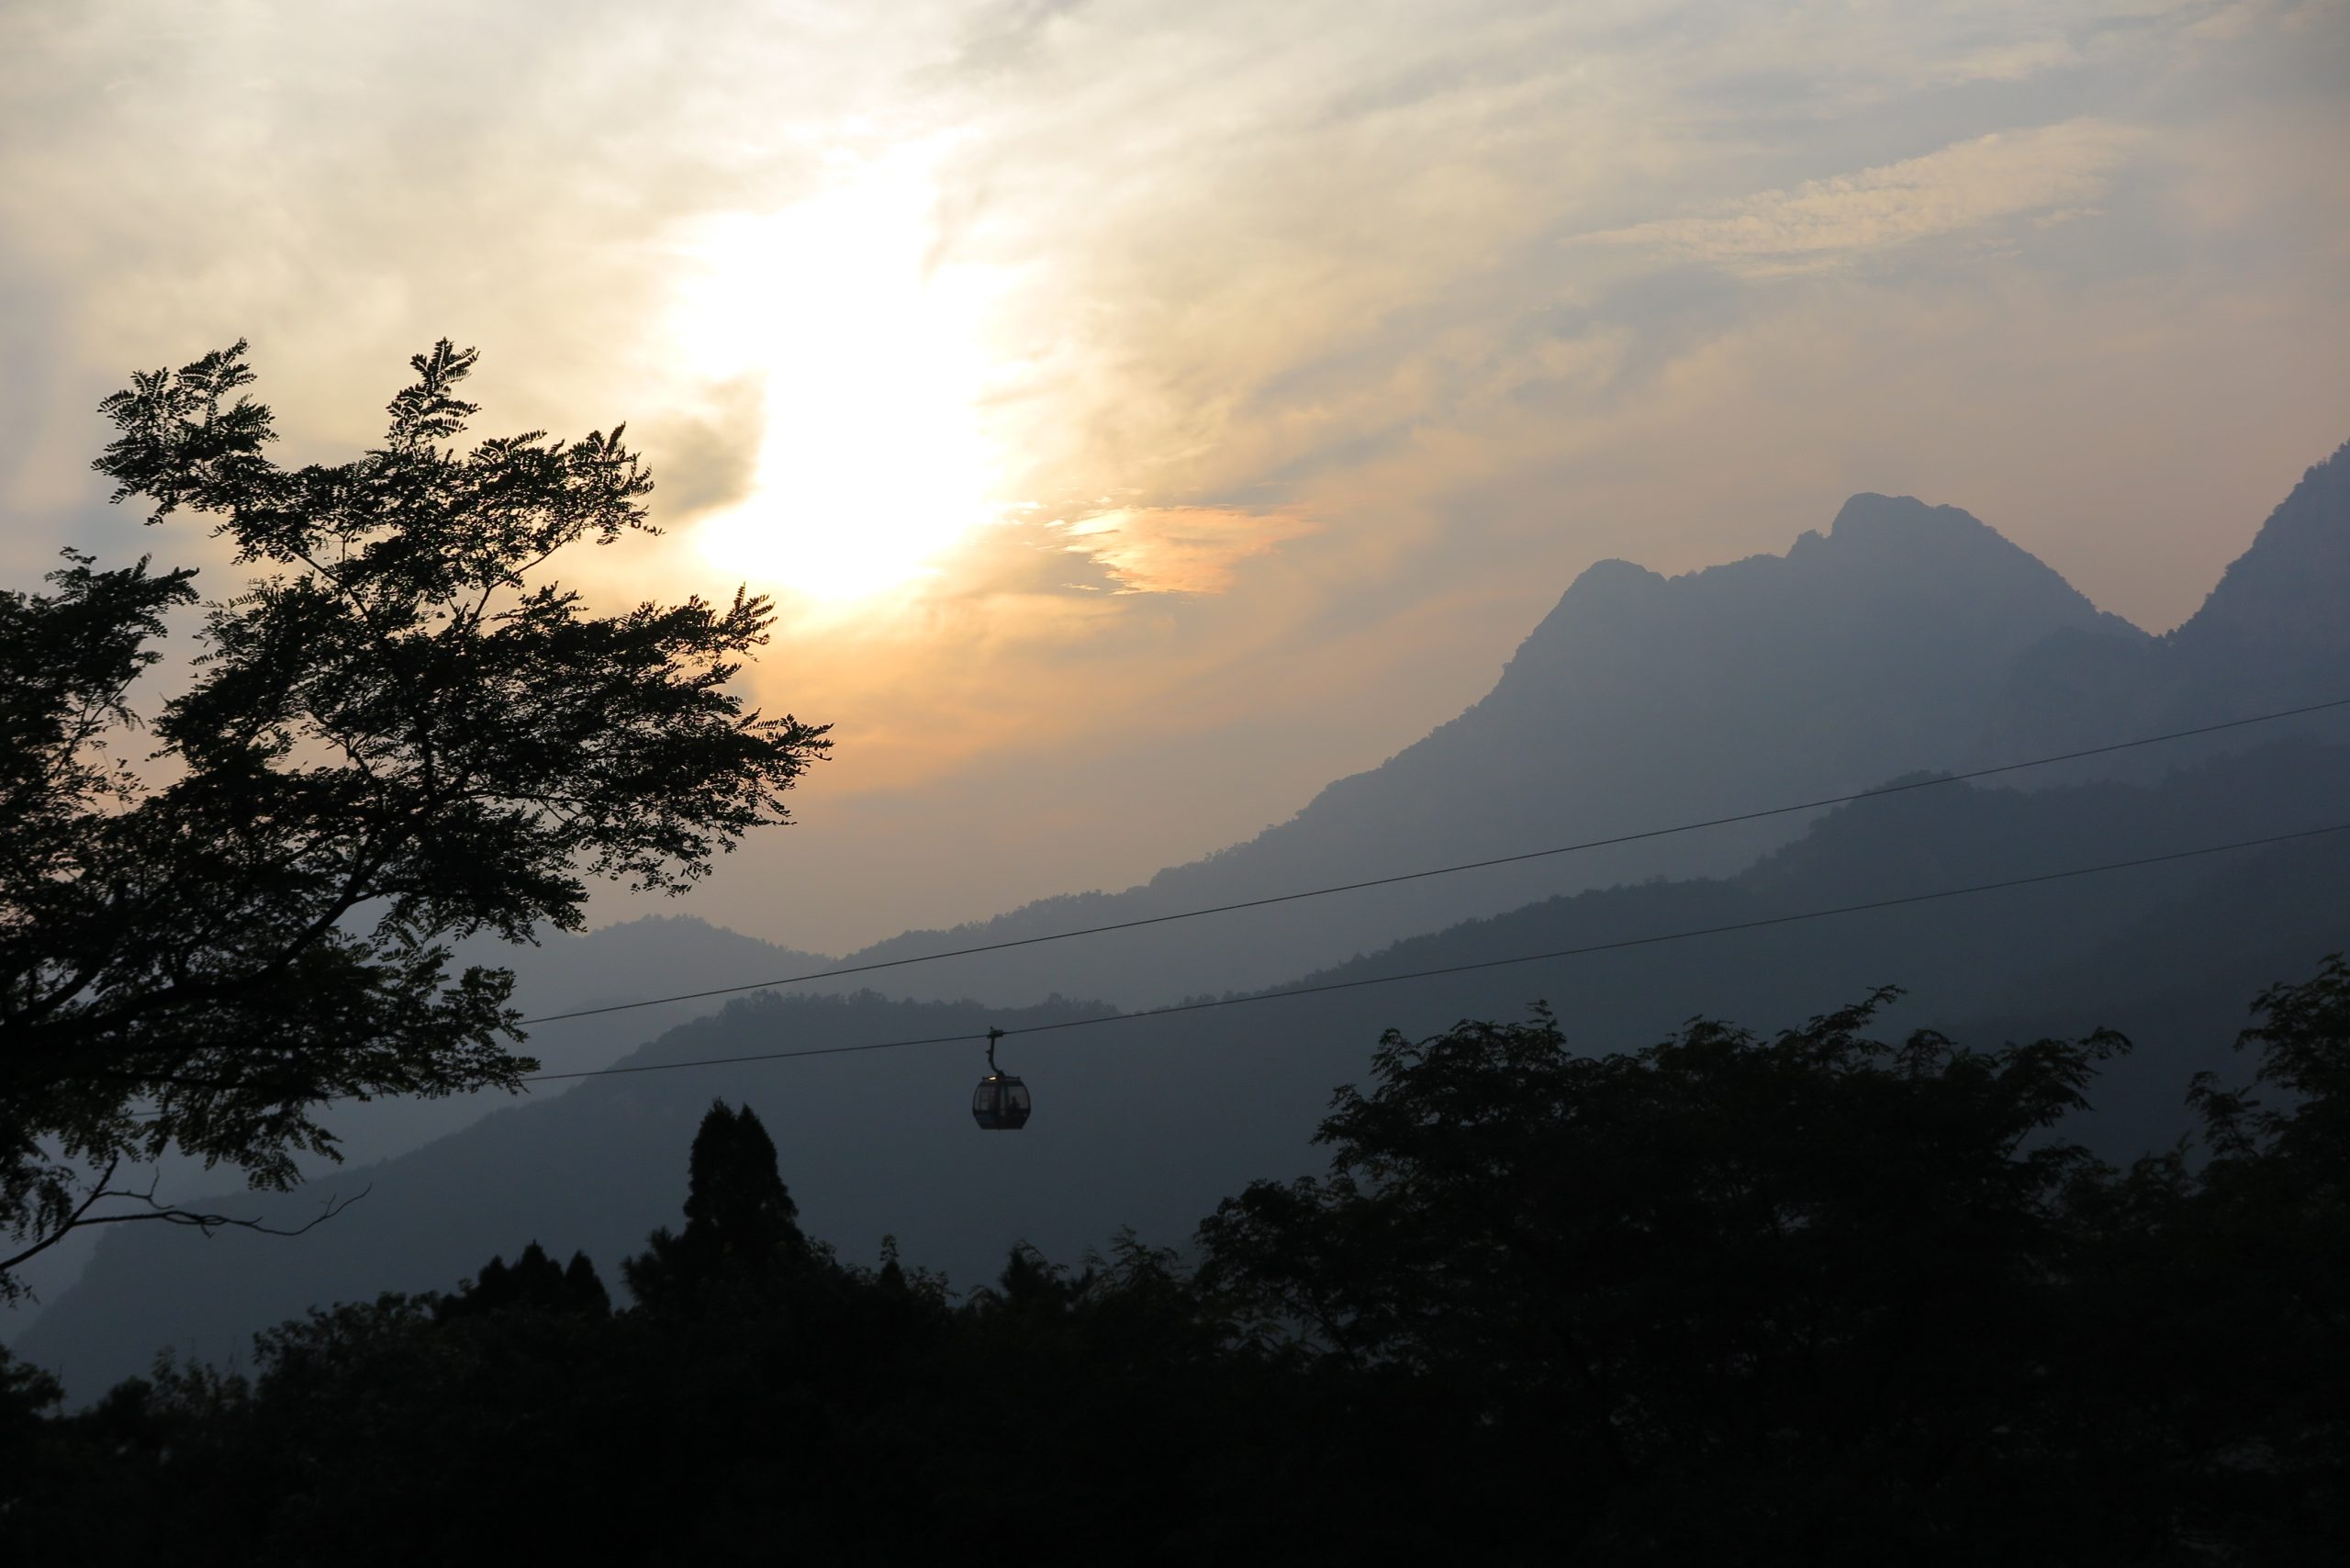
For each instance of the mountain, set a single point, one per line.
(2275, 622)
(2274, 633)
(1149, 1121)
(616, 965)
(1880, 647)
(1908, 636)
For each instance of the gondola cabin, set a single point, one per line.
(1000, 1104)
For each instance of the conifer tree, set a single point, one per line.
(583, 1293)
(741, 1235)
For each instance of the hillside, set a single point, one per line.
(1150, 1120)
(2273, 633)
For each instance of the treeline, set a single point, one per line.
(1817, 1297)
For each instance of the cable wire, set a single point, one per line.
(1644, 835)
(1616, 945)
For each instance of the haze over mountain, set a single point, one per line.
(1639, 701)
(1905, 637)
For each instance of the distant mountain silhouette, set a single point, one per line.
(1887, 644)
(654, 956)
(2277, 614)
(2273, 633)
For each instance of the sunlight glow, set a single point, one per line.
(872, 461)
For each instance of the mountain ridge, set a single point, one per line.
(2273, 633)
(1542, 751)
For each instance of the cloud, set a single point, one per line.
(1963, 186)
(1177, 549)
(1297, 288)
(708, 455)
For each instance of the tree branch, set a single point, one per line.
(167, 1213)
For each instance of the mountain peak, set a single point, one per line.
(1905, 536)
(1885, 561)
(1614, 573)
(1867, 515)
(2284, 595)
(1607, 588)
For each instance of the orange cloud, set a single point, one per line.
(1177, 549)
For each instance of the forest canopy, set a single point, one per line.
(1817, 1297)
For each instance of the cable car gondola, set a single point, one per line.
(1000, 1104)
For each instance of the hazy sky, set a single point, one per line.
(1146, 412)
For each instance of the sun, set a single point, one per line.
(871, 463)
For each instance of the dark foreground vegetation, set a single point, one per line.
(1816, 1298)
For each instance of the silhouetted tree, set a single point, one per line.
(398, 732)
(535, 1283)
(26, 1395)
(741, 1232)
(2244, 1276)
(583, 1292)
(1723, 1261)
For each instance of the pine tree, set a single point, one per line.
(583, 1293)
(742, 1236)
(532, 1282)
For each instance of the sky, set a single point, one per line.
(1144, 413)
